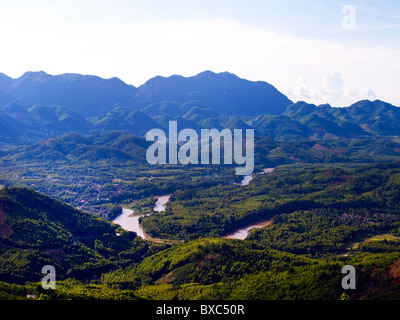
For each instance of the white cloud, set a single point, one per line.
(331, 89)
(333, 85)
(363, 94)
(303, 90)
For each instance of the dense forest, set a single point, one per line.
(331, 200)
(314, 209)
(323, 217)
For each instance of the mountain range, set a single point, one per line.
(38, 105)
(93, 96)
(79, 140)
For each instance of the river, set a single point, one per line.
(247, 179)
(130, 222)
(161, 202)
(242, 232)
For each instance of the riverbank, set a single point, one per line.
(130, 222)
(161, 203)
(247, 179)
(242, 232)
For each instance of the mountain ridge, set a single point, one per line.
(96, 94)
(37, 105)
(224, 92)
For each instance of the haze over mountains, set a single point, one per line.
(78, 140)
(94, 96)
(38, 105)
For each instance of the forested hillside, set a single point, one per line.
(315, 210)
(36, 230)
(38, 105)
(73, 157)
(322, 219)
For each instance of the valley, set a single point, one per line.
(130, 222)
(77, 192)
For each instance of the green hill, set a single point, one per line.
(59, 119)
(93, 262)
(116, 148)
(37, 230)
(123, 119)
(219, 268)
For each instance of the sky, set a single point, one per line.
(335, 52)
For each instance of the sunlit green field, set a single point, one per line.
(380, 237)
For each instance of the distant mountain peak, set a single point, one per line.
(34, 75)
(212, 73)
(224, 93)
(4, 77)
(207, 73)
(85, 94)
(14, 107)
